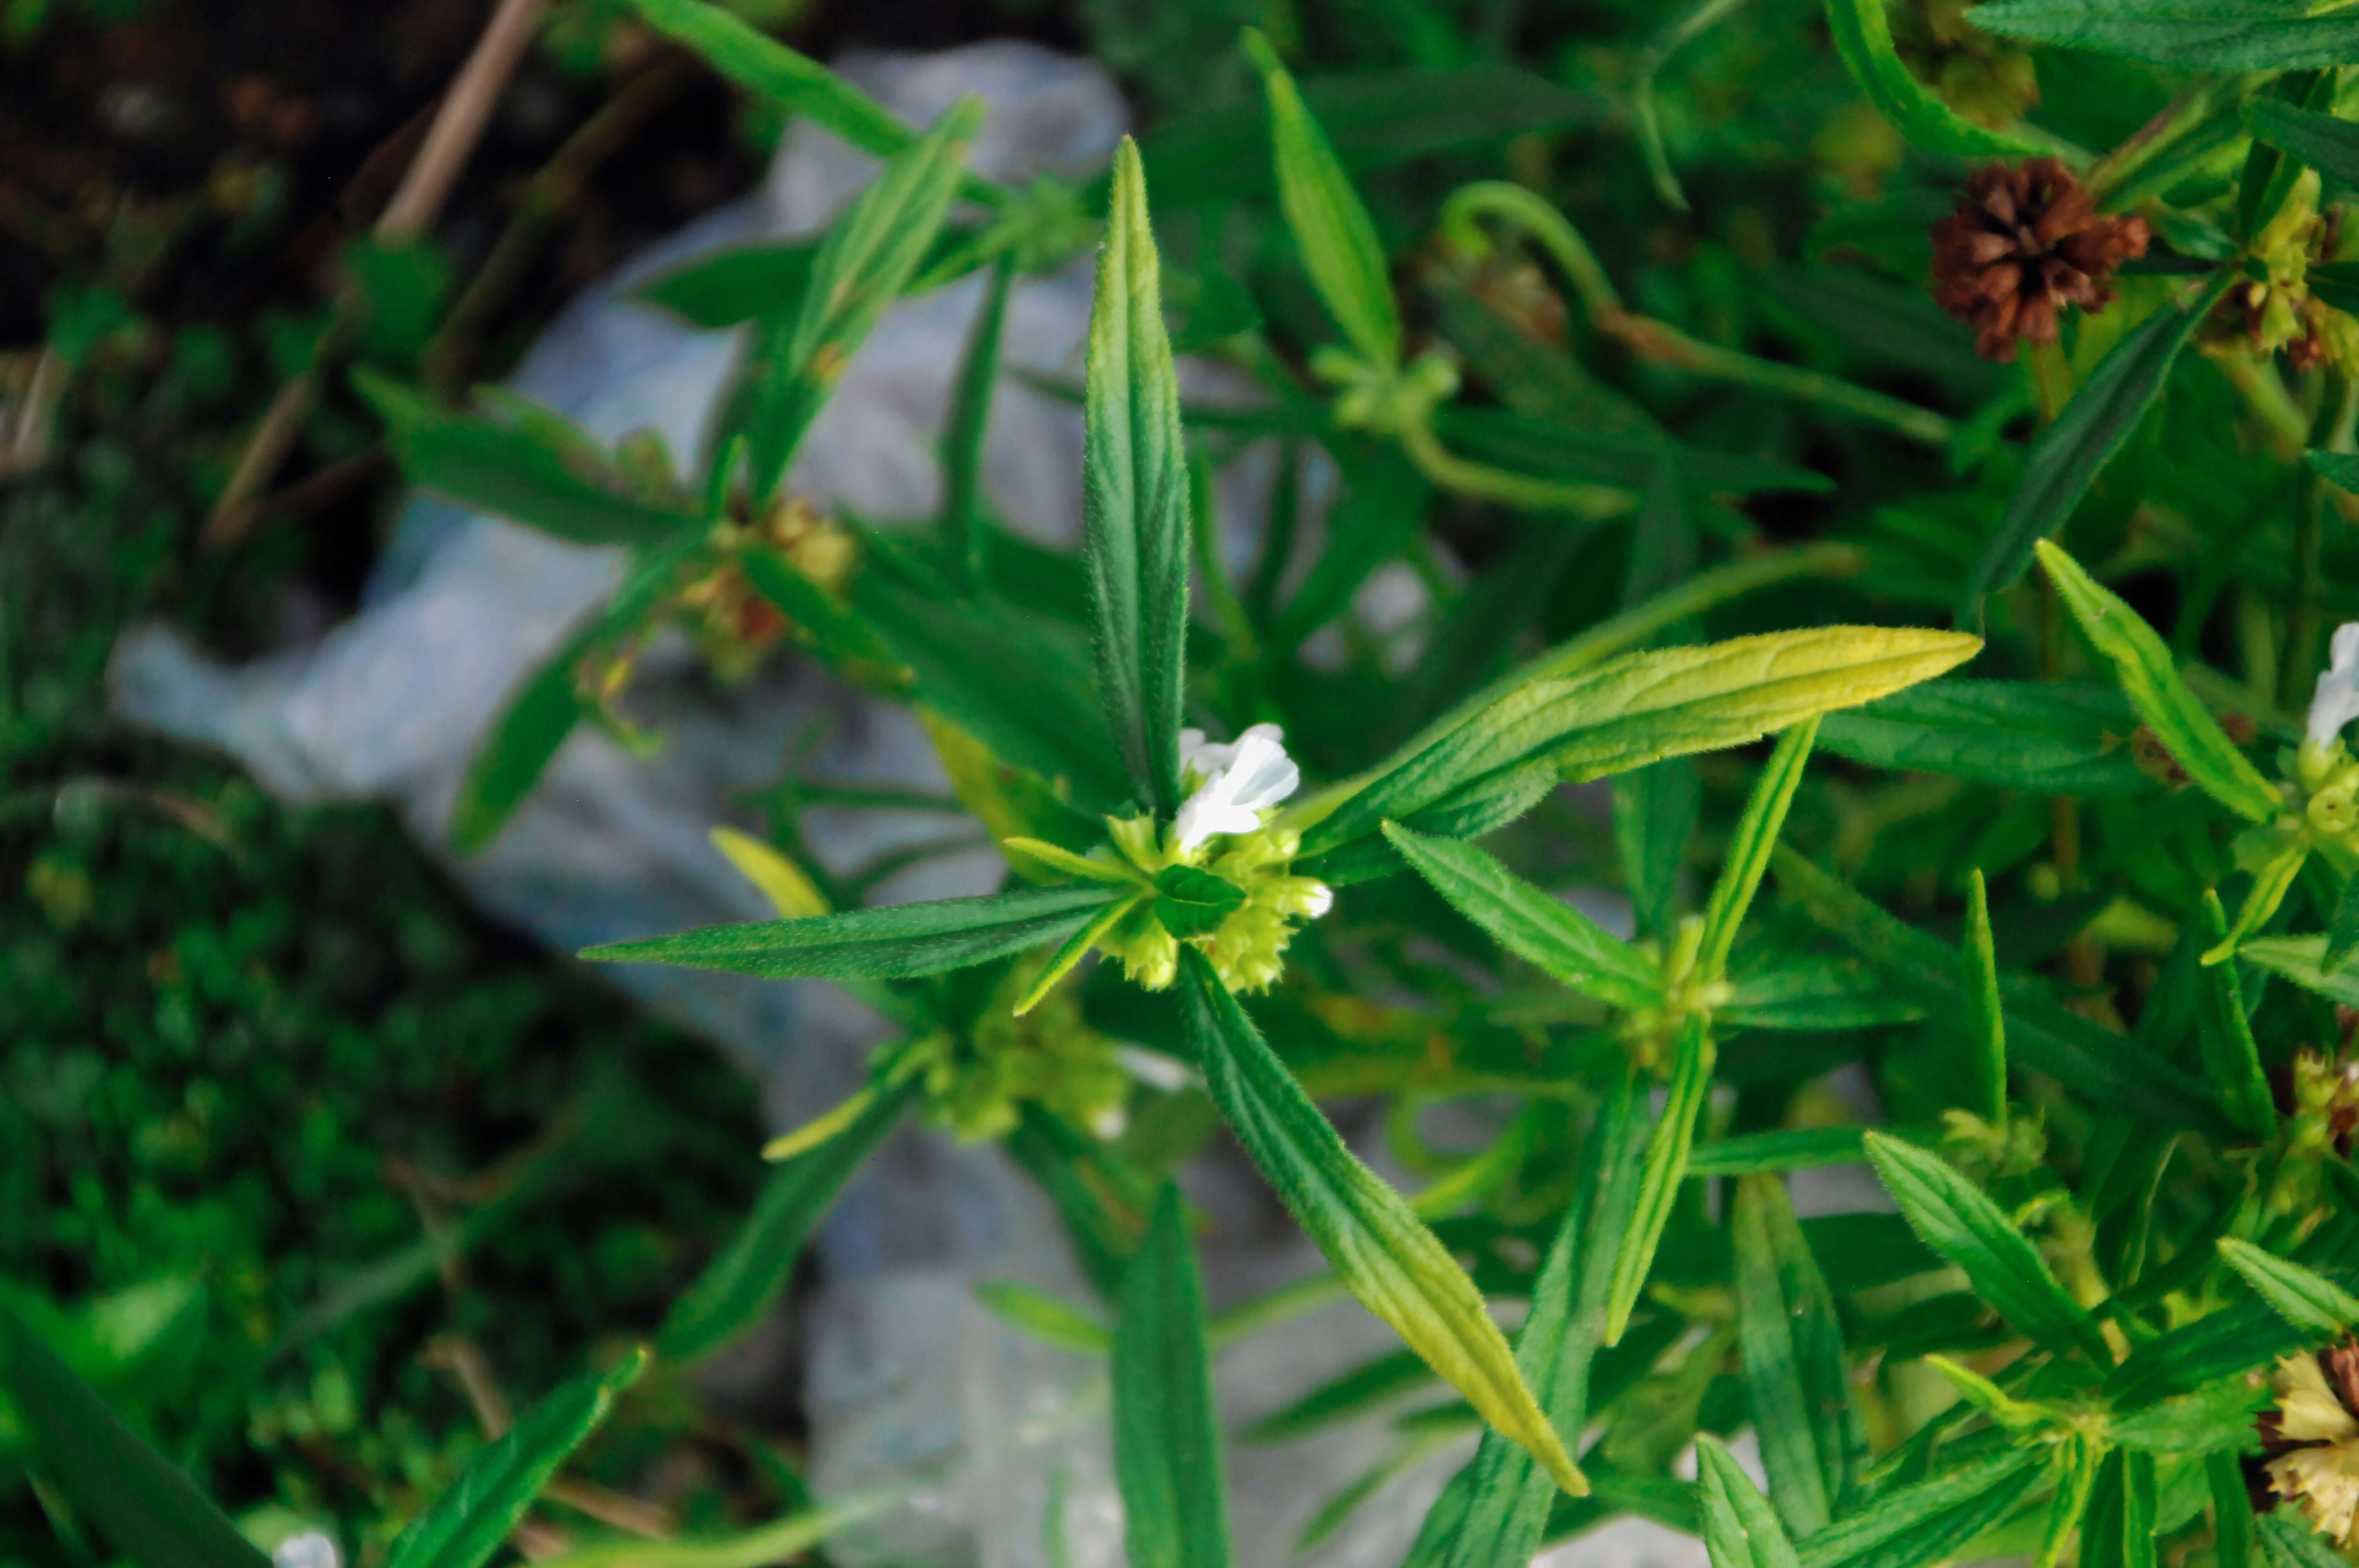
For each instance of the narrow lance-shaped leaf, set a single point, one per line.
(1496, 1510)
(1134, 498)
(2302, 1296)
(1740, 1530)
(2232, 1509)
(964, 429)
(1530, 923)
(2289, 1542)
(1166, 1442)
(536, 719)
(1926, 1521)
(2027, 735)
(1380, 1249)
(867, 259)
(147, 1508)
(1985, 1013)
(2070, 1504)
(2066, 456)
(1956, 1220)
(901, 940)
(2270, 885)
(2229, 1053)
(1331, 229)
(1042, 1315)
(1813, 1444)
(794, 82)
(1749, 847)
(1666, 1167)
(2302, 960)
(490, 466)
(2194, 35)
(2151, 677)
(1635, 709)
(738, 1288)
(1863, 36)
(472, 1521)
(2343, 935)
(2118, 1531)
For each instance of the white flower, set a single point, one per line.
(308, 1550)
(2335, 702)
(1240, 781)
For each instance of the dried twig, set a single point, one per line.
(459, 123)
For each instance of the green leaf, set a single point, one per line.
(2229, 1053)
(865, 262)
(2109, 1070)
(2118, 1531)
(1580, 451)
(1044, 1317)
(794, 82)
(1378, 1247)
(1926, 1521)
(738, 1288)
(1331, 229)
(1666, 1167)
(1347, 1394)
(2270, 885)
(2149, 675)
(2287, 1541)
(2216, 1416)
(2237, 1338)
(1985, 1012)
(1813, 1444)
(2302, 960)
(1134, 499)
(1635, 709)
(1655, 811)
(1167, 1446)
(1801, 1149)
(2196, 35)
(2303, 1297)
(472, 1521)
(536, 718)
(491, 466)
(2232, 1509)
(1863, 36)
(1497, 1509)
(148, 1509)
(1750, 845)
(1740, 1530)
(732, 285)
(901, 940)
(961, 521)
(1192, 902)
(2053, 740)
(1530, 923)
(1953, 1217)
(2065, 457)
(2343, 936)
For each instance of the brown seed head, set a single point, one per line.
(2024, 243)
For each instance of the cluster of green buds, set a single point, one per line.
(977, 1079)
(1648, 1032)
(2319, 782)
(2274, 307)
(1220, 877)
(1387, 399)
(2324, 1115)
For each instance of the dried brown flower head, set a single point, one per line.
(2024, 243)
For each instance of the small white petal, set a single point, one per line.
(1241, 780)
(2334, 701)
(308, 1550)
(1318, 903)
(1192, 752)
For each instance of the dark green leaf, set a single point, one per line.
(1597, 456)
(2342, 937)
(1800, 1150)
(963, 430)
(471, 1521)
(1956, 1220)
(2206, 34)
(1342, 1397)
(1533, 925)
(2067, 455)
(494, 467)
(1666, 1167)
(738, 1288)
(1192, 902)
(1655, 811)
(2231, 1511)
(731, 286)
(1749, 847)
(148, 1509)
(2229, 1053)
(2308, 1300)
(901, 940)
(1740, 1530)
(1986, 1017)
(1134, 499)
(2060, 740)
(1813, 1444)
(1926, 1522)
(1863, 37)
(1368, 1231)
(2287, 1541)
(1167, 1444)
(2118, 1530)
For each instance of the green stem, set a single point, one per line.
(1658, 340)
(2297, 656)
(773, 1543)
(1592, 502)
(2283, 424)
(2151, 140)
(1700, 16)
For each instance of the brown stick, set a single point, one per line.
(459, 123)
